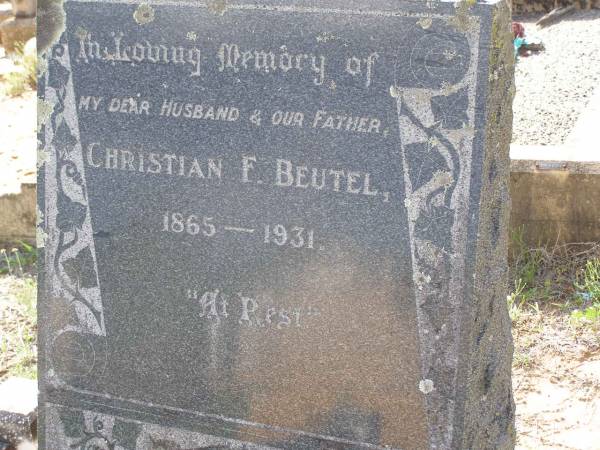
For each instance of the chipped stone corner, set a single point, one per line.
(50, 24)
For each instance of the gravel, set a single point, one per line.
(553, 87)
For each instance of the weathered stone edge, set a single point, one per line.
(488, 421)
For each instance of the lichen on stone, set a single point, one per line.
(462, 18)
(491, 424)
(144, 14)
(40, 235)
(44, 111)
(42, 156)
(217, 6)
(426, 386)
(425, 22)
(81, 33)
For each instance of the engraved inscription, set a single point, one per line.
(153, 162)
(192, 224)
(297, 237)
(333, 121)
(319, 120)
(204, 226)
(250, 311)
(116, 51)
(290, 174)
(230, 58)
(285, 173)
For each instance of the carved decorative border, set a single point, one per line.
(81, 429)
(436, 123)
(72, 283)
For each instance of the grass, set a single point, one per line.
(555, 311)
(18, 315)
(18, 327)
(17, 82)
(522, 360)
(564, 275)
(553, 286)
(591, 315)
(26, 296)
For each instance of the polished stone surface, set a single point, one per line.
(263, 225)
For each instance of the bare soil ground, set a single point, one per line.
(556, 381)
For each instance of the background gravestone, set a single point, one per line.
(275, 225)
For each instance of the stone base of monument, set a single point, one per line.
(5, 12)
(554, 195)
(16, 30)
(18, 412)
(24, 8)
(555, 189)
(17, 163)
(17, 221)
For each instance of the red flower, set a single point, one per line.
(518, 30)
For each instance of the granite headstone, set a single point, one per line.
(274, 225)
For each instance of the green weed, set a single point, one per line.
(564, 277)
(18, 260)
(588, 281)
(515, 301)
(588, 295)
(590, 314)
(522, 360)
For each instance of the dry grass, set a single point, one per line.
(18, 327)
(554, 279)
(17, 82)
